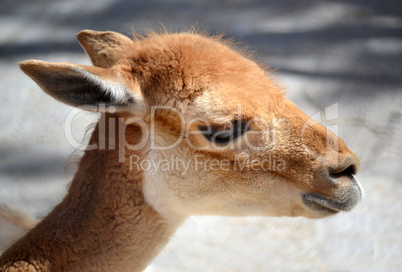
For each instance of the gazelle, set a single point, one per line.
(188, 126)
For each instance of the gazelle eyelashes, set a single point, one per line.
(225, 133)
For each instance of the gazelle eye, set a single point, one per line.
(224, 134)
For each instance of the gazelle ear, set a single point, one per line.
(104, 48)
(84, 86)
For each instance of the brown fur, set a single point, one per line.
(114, 218)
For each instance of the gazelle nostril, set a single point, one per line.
(347, 167)
(350, 170)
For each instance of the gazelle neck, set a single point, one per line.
(102, 224)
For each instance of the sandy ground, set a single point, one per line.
(347, 53)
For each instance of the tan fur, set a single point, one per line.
(116, 218)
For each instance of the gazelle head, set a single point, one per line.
(217, 134)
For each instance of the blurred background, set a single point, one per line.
(347, 53)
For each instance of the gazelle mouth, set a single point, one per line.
(343, 200)
(323, 203)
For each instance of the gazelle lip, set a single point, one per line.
(344, 199)
(325, 204)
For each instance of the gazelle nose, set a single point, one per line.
(345, 168)
(340, 191)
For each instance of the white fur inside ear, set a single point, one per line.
(118, 93)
